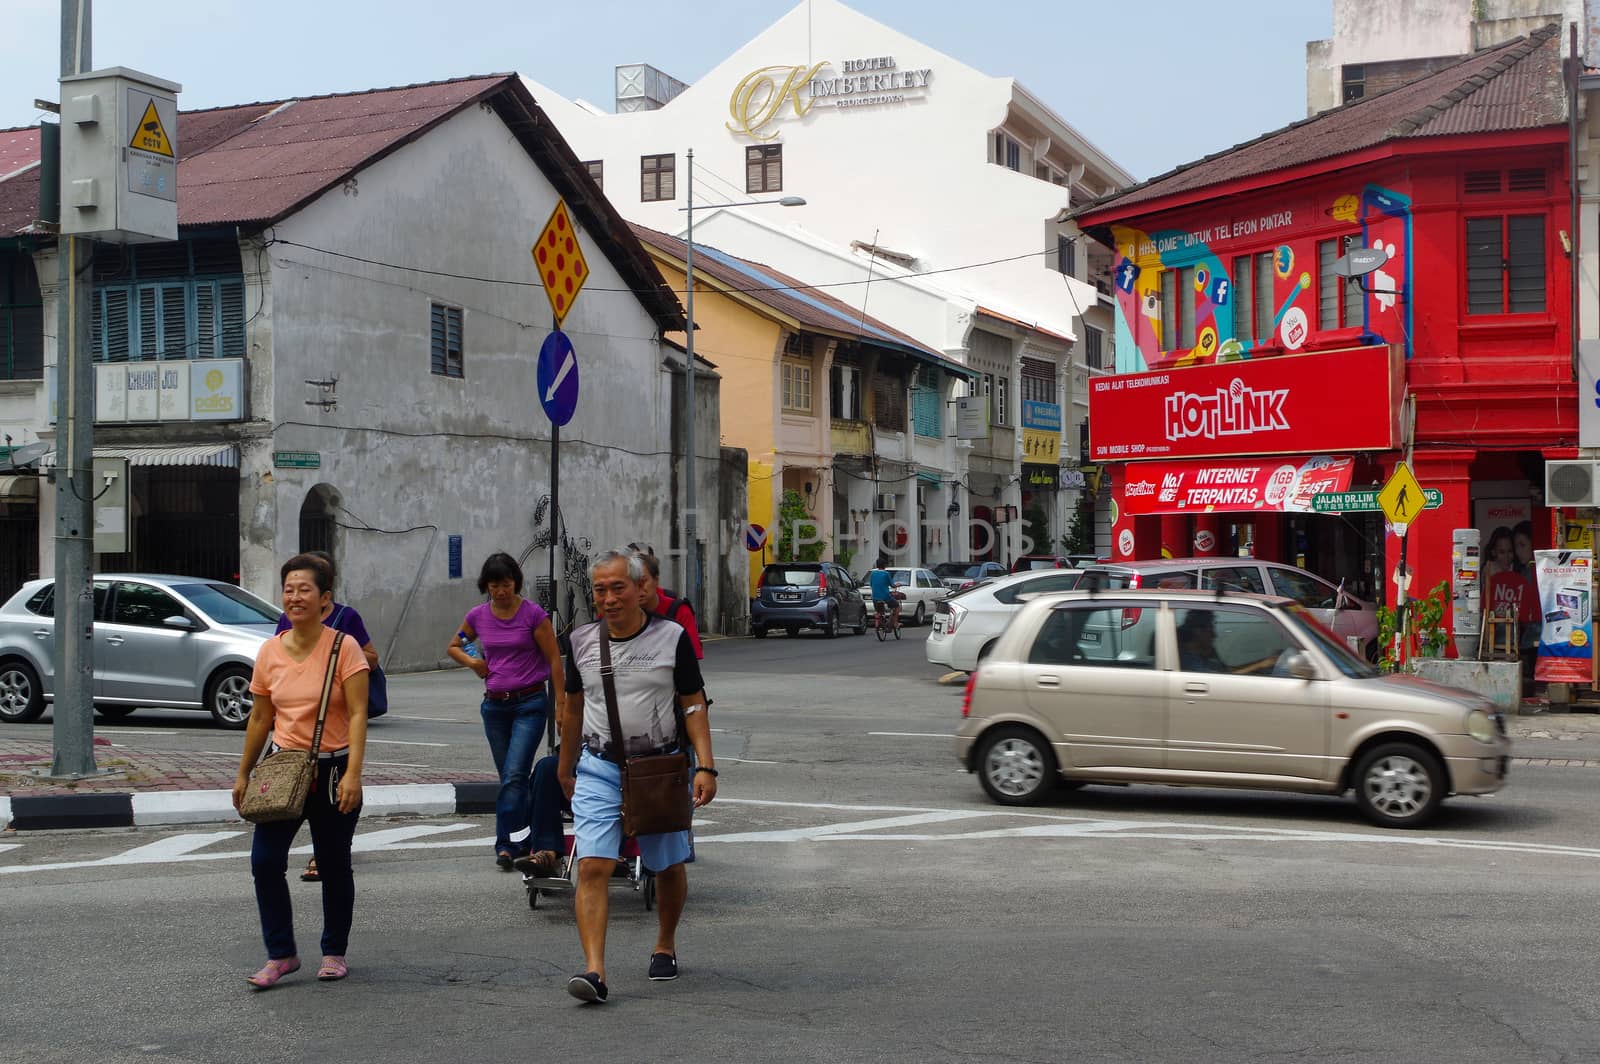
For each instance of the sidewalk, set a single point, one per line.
(149, 787)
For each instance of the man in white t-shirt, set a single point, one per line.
(654, 666)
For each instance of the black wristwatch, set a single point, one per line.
(713, 771)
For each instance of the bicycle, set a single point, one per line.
(891, 610)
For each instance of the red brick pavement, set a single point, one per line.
(23, 761)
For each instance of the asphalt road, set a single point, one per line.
(855, 898)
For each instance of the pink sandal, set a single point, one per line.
(272, 971)
(333, 968)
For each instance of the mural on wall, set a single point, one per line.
(1252, 298)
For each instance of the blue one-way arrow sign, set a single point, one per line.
(557, 378)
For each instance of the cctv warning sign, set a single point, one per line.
(150, 134)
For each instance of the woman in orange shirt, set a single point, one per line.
(287, 685)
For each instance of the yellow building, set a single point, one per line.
(828, 402)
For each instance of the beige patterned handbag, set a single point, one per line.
(281, 781)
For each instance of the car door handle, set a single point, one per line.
(43, 633)
(115, 640)
(1049, 681)
(1195, 688)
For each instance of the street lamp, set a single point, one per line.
(690, 524)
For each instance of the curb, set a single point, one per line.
(152, 808)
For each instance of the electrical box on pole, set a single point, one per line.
(119, 156)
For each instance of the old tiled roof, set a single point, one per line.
(811, 307)
(252, 164)
(1514, 86)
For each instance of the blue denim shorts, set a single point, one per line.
(597, 819)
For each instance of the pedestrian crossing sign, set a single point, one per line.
(1401, 498)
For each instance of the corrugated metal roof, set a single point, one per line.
(793, 298)
(1514, 86)
(18, 148)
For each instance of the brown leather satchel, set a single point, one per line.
(281, 782)
(655, 788)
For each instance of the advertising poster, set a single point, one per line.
(1566, 635)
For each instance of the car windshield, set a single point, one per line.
(1330, 644)
(944, 569)
(227, 604)
(900, 577)
(777, 574)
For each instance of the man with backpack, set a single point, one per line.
(665, 603)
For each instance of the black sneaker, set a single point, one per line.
(587, 988)
(663, 966)
(503, 860)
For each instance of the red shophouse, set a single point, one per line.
(1251, 376)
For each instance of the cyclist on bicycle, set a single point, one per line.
(883, 601)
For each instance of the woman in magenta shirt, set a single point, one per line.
(517, 654)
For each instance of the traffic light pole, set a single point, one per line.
(73, 712)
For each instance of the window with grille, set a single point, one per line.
(796, 387)
(1007, 152)
(597, 170)
(657, 174)
(174, 319)
(763, 168)
(1169, 310)
(1338, 298)
(1252, 298)
(1002, 415)
(1355, 82)
(21, 321)
(1067, 255)
(1038, 381)
(446, 358)
(1094, 348)
(927, 406)
(1506, 264)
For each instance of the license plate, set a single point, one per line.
(938, 626)
(783, 596)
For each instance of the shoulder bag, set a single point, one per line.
(281, 781)
(655, 788)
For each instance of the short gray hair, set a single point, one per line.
(636, 570)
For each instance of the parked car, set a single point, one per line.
(965, 574)
(1329, 603)
(1026, 562)
(968, 624)
(1129, 687)
(796, 595)
(921, 588)
(172, 642)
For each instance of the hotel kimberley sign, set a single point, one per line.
(766, 94)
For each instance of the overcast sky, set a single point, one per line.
(1154, 83)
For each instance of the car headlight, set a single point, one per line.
(1479, 726)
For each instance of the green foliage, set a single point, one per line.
(1388, 623)
(843, 554)
(1426, 626)
(794, 523)
(1080, 537)
(1036, 526)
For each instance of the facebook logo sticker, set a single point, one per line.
(1127, 274)
(1219, 291)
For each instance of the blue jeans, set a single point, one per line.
(513, 729)
(548, 805)
(331, 832)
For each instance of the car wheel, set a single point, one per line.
(830, 628)
(1371, 651)
(987, 647)
(1016, 766)
(860, 629)
(21, 696)
(1399, 785)
(920, 618)
(115, 712)
(228, 696)
(758, 632)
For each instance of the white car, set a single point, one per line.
(922, 590)
(968, 624)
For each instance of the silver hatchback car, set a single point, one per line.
(174, 642)
(1207, 689)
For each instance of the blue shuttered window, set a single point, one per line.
(927, 408)
(171, 319)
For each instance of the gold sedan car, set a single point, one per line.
(1207, 689)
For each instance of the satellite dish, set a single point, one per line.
(29, 454)
(1358, 262)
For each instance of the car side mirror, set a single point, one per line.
(1297, 665)
(180, 622)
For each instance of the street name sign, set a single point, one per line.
(297, 459)
(1338, 502)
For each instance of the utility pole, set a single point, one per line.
(691, 523)
(73, 713)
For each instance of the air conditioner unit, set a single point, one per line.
(1572, 483)
(885, 503)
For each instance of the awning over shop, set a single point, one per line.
(205, 454)
(16, 487)
(1234, 485)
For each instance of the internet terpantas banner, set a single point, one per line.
(1566, 637)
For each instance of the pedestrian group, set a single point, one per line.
(638, 665)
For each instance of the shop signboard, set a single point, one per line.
(1040, 477)
(1566, 634)
(1334, 401)
(1269, 485)
(207, 389)
(1041, 432)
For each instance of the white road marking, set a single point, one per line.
(914, 734)
(383, 840)
(9, 846)
(217, 753)
(749, 761)
(131, 731)
(171, 848)
(440, 720)
(402, 742)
